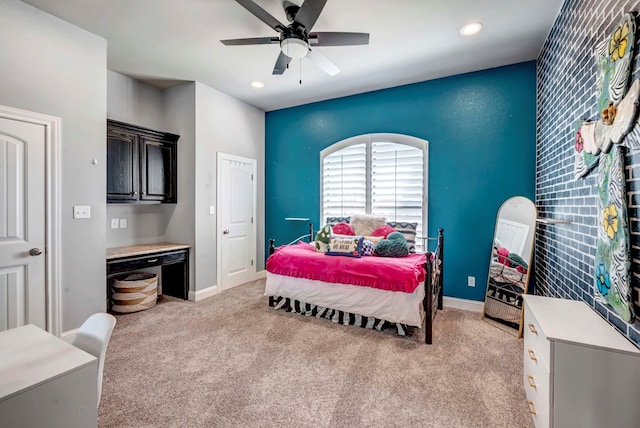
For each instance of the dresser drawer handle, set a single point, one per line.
(532, 328)
(531, 409)
(152, 260)
(532, 355)
(532, 384)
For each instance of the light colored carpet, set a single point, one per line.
(231, 361)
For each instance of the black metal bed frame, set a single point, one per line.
(433, 292)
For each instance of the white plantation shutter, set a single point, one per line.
(397, 172)
(344, 182)
(373, 174)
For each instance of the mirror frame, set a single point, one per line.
(515, 210)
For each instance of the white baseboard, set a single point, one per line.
(465, 304)
(196, 296)
(261, 274)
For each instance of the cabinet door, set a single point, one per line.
(158, 171)
(122, 166)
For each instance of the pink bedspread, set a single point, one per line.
(387, 273)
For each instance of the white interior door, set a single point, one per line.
(236, 219)
(23, 293)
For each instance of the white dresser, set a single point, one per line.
(45, 381)
(579, 371)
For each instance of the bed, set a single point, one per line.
(379, 293)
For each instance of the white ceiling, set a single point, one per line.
(166, 42)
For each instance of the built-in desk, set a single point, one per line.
(45, 381)
(173, 258)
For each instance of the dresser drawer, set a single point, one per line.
(140, 262)
(536, 345)
(536, 384)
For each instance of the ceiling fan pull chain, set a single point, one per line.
(301, 71)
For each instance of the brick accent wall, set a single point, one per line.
(566, 93)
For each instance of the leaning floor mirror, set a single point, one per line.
(509, 264)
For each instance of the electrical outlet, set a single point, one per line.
(115, 223)
(81, 211)
(123, 223)
(212, 209)
(471, 281)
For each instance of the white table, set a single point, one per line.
(45, 381)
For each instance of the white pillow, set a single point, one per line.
(364, 224)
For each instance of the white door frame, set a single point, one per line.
(52, 126)
(222, 157)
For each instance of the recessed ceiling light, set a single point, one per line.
(471, 29)
(257, 84)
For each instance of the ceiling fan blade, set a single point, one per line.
(322, 62)
(309, 12)
(251, 41)
(262, 15)
(281, 64)
(338, 39)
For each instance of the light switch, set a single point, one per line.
(123, 223)
(115, 223)
(212, 209)
(81, 211)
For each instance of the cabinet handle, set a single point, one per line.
(152, 260)
(532, 355)
(532, 384)
(135, 193)
(531, 409)
(532, 328)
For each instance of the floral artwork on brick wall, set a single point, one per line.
(600, 143)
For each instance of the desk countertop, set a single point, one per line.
(138, 250)
(30, 356)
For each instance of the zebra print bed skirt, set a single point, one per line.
(340, 317)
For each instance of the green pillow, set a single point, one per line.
(322, 238)
(394, 246)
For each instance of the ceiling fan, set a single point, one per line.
(296, 39)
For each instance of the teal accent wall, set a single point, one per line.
(481, 129)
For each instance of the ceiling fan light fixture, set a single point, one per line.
(471, 29)
(294, 47)
(257, 84)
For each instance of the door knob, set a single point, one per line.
(226, 231)
(35, 252)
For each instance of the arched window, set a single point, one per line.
(379, 174)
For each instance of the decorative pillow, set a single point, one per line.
(322, 239)
(349, 247)
(343, 229)
(503, 256)
(408, 230)
(518, 262)
(364, 224)
(394, 246)
(383, 231)
(335, 220)
(368, 248)
(374, 239)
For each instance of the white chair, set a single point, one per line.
(93, 338)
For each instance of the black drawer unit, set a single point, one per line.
(175, 269)
(141, 262)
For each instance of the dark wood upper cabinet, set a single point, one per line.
(141, 164)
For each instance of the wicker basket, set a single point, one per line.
(134, 292)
